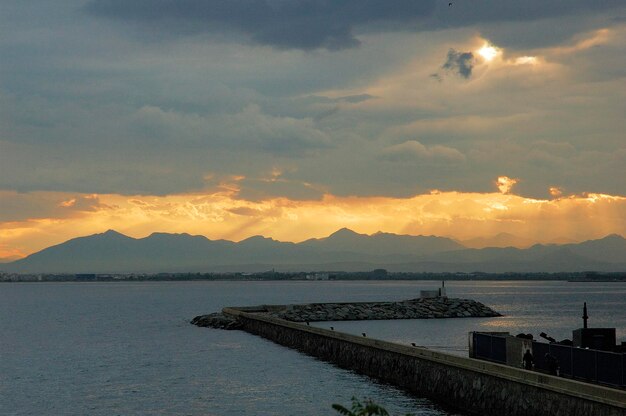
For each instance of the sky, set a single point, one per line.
(294, 118)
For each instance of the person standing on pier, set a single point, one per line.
(528, 360)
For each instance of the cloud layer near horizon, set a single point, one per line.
(221, 215)
(298, 100)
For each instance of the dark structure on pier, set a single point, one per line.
(591, 356)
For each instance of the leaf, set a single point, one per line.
(342, 410)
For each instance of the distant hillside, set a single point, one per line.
(498, 240)
(611, 248)
(112, 252)
(382, 243)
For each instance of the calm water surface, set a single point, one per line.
(127, 348)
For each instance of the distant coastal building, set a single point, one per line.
(317, 276)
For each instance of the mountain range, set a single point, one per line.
(506, 240)
(344, 250)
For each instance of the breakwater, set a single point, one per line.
(422, 308)
(472, 386)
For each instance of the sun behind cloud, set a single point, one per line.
(489, 52)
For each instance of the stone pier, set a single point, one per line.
(466, 385)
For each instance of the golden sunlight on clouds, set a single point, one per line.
(505, 184)
(406, 86)
(490, 52)
(223, 215)
(526, 60)
(493, 54)
(555, 191)
(69, 203)
(10, 253)
(586, 41)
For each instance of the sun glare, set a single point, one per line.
(488, 52)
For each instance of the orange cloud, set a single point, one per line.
(222, 215)
(68, 203)
(555, 191)
(505, 184)
(10, 253)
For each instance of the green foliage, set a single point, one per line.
(367, 408)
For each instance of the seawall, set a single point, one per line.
(472, 386)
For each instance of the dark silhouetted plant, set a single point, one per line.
(367, 408)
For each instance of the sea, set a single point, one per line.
(127, 348)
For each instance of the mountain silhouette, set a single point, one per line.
(113, 252)
(498, 240)
(383, 243)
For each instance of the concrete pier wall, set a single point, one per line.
(469, 385)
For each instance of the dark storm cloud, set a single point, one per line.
(84, 107)
(331, 24)
(301, 24)
(460, 62)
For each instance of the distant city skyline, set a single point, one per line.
(294, 119)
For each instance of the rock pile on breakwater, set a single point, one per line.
(216, 320)
(422, 308)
